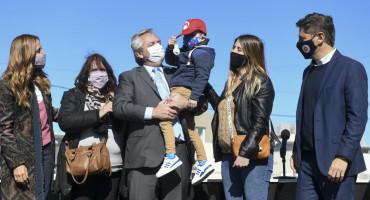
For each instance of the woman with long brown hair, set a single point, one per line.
(244, 108)
(26, 116)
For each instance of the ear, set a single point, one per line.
(203, 37)
(139, 54)
(320, 37)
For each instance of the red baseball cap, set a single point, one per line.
(192, 25)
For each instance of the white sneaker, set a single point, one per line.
(168, 166)
(202, 173)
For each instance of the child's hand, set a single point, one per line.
(171, 41)
(192, 103)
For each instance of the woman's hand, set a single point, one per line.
(241, 162)
(21, 175)
(107, 108)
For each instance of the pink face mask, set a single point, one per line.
(98, 79)
(40, 61)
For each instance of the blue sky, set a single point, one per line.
(69, 30)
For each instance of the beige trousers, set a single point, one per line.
(169, 135)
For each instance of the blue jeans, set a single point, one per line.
(249, 183)
(48, 166)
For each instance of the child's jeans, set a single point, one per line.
(169, 136)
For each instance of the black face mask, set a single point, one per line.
(236, 60)
(307, 48)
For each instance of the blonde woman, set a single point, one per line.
(251, 97)
(26, 116)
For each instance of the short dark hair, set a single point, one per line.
(315, 22)
(81, 80)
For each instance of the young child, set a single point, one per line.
(194, 61)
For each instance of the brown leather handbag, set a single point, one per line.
(264, 144)
(264, 150)
(85, 160)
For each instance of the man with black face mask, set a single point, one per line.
(331, 115)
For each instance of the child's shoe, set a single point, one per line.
(204, 169)
(171, 162)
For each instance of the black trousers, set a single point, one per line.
(143, 184)
(97, 187)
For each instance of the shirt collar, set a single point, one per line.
(149, 69)
(326, 58)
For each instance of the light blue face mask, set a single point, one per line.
(40, 61)
(191, 41)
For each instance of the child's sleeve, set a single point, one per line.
(203, 63)
(170, 57)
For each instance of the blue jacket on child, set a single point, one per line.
(195, 75)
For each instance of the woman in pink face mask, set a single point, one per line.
(86, 117)
(26, 122)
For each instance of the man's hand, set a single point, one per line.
(241, 162)
(337, 170)
(171, 42)
(165, 110)
(192, 103)
(21, 175)
(179, 101)
(294, 162)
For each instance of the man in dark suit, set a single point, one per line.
(138, 101)
(331, 115)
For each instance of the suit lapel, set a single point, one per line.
(329, 70)
(148, 79)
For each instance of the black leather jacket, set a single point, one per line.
(251, 117)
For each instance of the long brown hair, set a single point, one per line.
(253, 50)
(21, 72)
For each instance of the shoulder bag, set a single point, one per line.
(87, 160)
(264, 144)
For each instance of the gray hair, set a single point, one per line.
(137, 44)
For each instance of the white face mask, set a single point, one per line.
(156, 53)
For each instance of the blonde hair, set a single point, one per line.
(254, 67)
(21, 72)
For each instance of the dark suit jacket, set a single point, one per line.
(340, 114)
(145, 144)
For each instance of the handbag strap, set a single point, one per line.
(69, 164)
(110, 168)
(110, 172)
(229, 117)
(86, 173)
(66, 143)
(270, 129)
